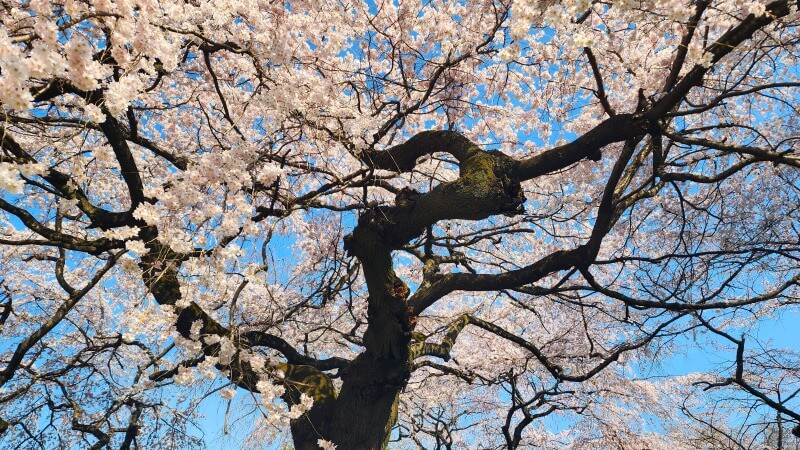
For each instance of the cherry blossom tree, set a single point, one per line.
(440, 224)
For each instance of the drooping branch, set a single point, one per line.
(302, 374)
(738, 378)
(160, 274)
(557, 371)
(723, 46)
(63, 184)
(58, 315)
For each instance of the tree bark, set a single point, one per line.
(366, 409)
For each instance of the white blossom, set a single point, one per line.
(298, 409)
(227, 393)
(137, 247)
(184, 376)
(94, 113)
(326, 445)
(10, 180)
(268, 390)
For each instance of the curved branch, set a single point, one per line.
(724, 45)
(56, 318)
(557, 371)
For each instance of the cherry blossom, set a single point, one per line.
(445, 224)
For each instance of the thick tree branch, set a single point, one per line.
(94, 247)
(615, 129)
(403, 157)
(554, 262)
(65, 186)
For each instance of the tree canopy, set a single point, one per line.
(361, 225)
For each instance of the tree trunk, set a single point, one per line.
(366, 409)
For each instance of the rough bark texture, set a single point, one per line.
(366, 409)
(308, 429)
